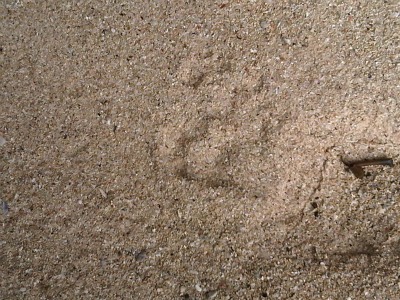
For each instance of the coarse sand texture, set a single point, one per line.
(200, 149)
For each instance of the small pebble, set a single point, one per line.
(140, 255)
(263, 24)
(198, 287)
(4, 207)
(2, 141)
(211, 294)
(103, 193)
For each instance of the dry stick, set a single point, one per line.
(358, 171)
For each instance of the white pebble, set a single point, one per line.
(198, 287)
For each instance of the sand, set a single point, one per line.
(193, 149)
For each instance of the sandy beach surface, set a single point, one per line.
(194, 149)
